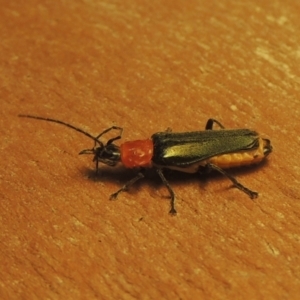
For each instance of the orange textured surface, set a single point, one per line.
(147, 66)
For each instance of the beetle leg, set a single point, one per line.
(250, 193)
(210, 123)
(120, 129)
(127, 185)
(97, 165)
(172, 194)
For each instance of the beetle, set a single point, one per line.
(189, 152)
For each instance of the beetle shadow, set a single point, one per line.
(106, 174)
(121, 176)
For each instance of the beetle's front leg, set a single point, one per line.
(128, 184)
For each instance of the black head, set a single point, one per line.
(109, 153)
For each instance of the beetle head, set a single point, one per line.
(108, 154)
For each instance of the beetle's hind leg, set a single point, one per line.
(238, 185)
(127, 185)
(210, 124)
(172, 194)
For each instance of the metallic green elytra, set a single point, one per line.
(186, 148)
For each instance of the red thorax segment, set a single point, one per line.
(137, 153)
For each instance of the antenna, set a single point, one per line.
(63, 123)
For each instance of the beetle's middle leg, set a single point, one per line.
(250, 193)
(172, 194)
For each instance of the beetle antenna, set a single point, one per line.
(63, 123)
